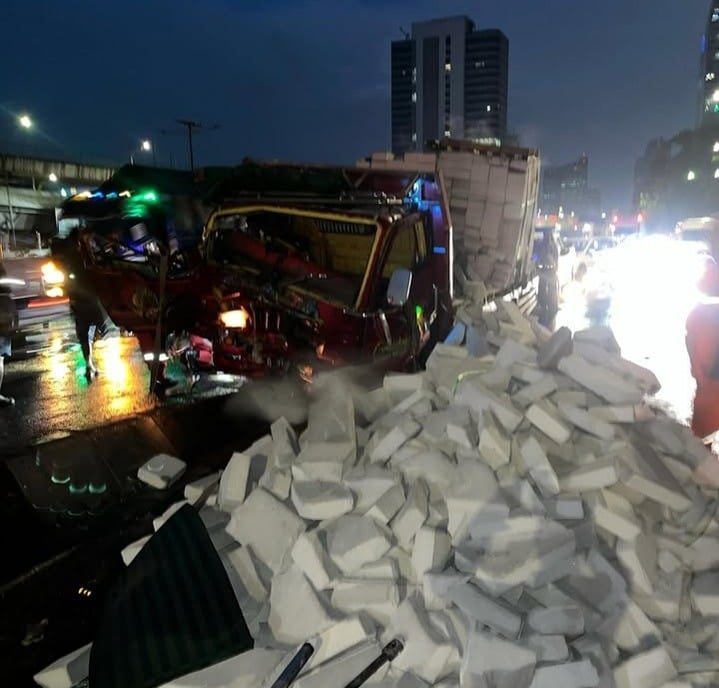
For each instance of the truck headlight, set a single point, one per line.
(237, 319)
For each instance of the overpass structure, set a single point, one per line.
(31, 190)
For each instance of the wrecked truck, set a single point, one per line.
(302, 268)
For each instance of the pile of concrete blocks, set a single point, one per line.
(518, 515)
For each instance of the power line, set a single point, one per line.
(190, 126)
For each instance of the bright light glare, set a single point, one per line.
(691, 176)
(24, 121)
(52, 177)
(52, 274)
(237, 319)
(146, 145)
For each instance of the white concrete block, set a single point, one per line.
(494, 443)
(338, 638)
(373, 404)
(483, 609)
(394, 439)
(629, 628)
(564, 620)
(571, 396)
(66, 672)
(594, 476)
(667, 561)
(537, 390)
(548, 648)
(378, 598)
(565, 508)
(426, 652)
(133, 549)
(430, 465)
(543, 417)
(553, 349)
(326, 461)
(512, 352)
(387, 506)
(353, 541)
(161, 471)
(646, 670)
(412, 515)
(310, 557)
(295, 610)
(473, 395)
(285, 445)
(385, 568)
(572, 675)
(432, 549)
(538, 467)
(705, 593)
(277, 482)
(342, 668)
(587, 422)
(436, 586)
(657, 492)
(639, 559)
(399, 387)
(490, 661)
(526, 373)
(614, 414)
(524, 494)
(233, 483)
(319, 501)
(404, 563)
(194, 490)
(621, 526)
(368, 483)
(267, 526)
(240, 559)
(460, 435)
(603, 382)
(163, 518)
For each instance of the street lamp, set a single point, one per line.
(52, 177)
(24, 121)
(146, 147)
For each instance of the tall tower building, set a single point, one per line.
(709, 89)
(449, 80)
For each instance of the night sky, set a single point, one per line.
(309, 80)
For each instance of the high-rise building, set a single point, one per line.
(565, 188)
(709, 89)
(449, 80)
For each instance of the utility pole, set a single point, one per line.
(191, 125)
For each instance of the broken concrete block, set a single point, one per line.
(387, 506)
(705, 593)
(663, 494)
(594, 476)
(385, 568)
(436, 586)
(240, 559)
(378, 598)
(68, 671)
(527, 373)
(339, 638)
(295, 610)
(195, 490)
(426, 652)
(603, 382)
(353, 541)
(563, 620)
(374, 404)
(412, 515)
(318, 501)
(277, 482)
(394, 439)
(310, 557)
(571, 396)
(542, 416)
(538, 467)
(432, 549)
(535, 392)
(472, 394)
(512, 352)
(369, 483)
(267, 526)
(565, 508)
(572, 675)
(646, 670)
(494, 443)
(285, 445)
(555, 348)
(587, 422)
(233, 483)
(490, 661)
(161, 471)
(667, 561)
(323, 460)
(342, 668)
(460, 435)
(133, 549)
(400, 386)
(639, 559)
(548, 648)
(614, 414)
(623, 527)
(431, 465)
(483, 609)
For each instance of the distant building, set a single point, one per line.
(449, 80)
(709, 76)
(565, 190)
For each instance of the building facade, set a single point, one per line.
(565, 190)
(449, 81)
(709, 73)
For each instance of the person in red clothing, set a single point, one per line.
(702, 339)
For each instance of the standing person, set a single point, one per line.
(702, 340)
(7, 320)
(87, 310)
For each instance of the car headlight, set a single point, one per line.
(237, 319)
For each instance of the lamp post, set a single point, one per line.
(146, 147)
(25, 122)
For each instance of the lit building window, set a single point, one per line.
(715, 16)
(480, 65)
(414, 75)
(448, 67)
(414, 96)
(447, 133)
(716, 147)
(710, 76)
(715, 96)
(691, 176)
(489, 108)
(414, 137)
(716, 173)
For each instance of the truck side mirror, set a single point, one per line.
(399, 287)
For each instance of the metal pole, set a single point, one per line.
(9, 208)
(192, 155)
